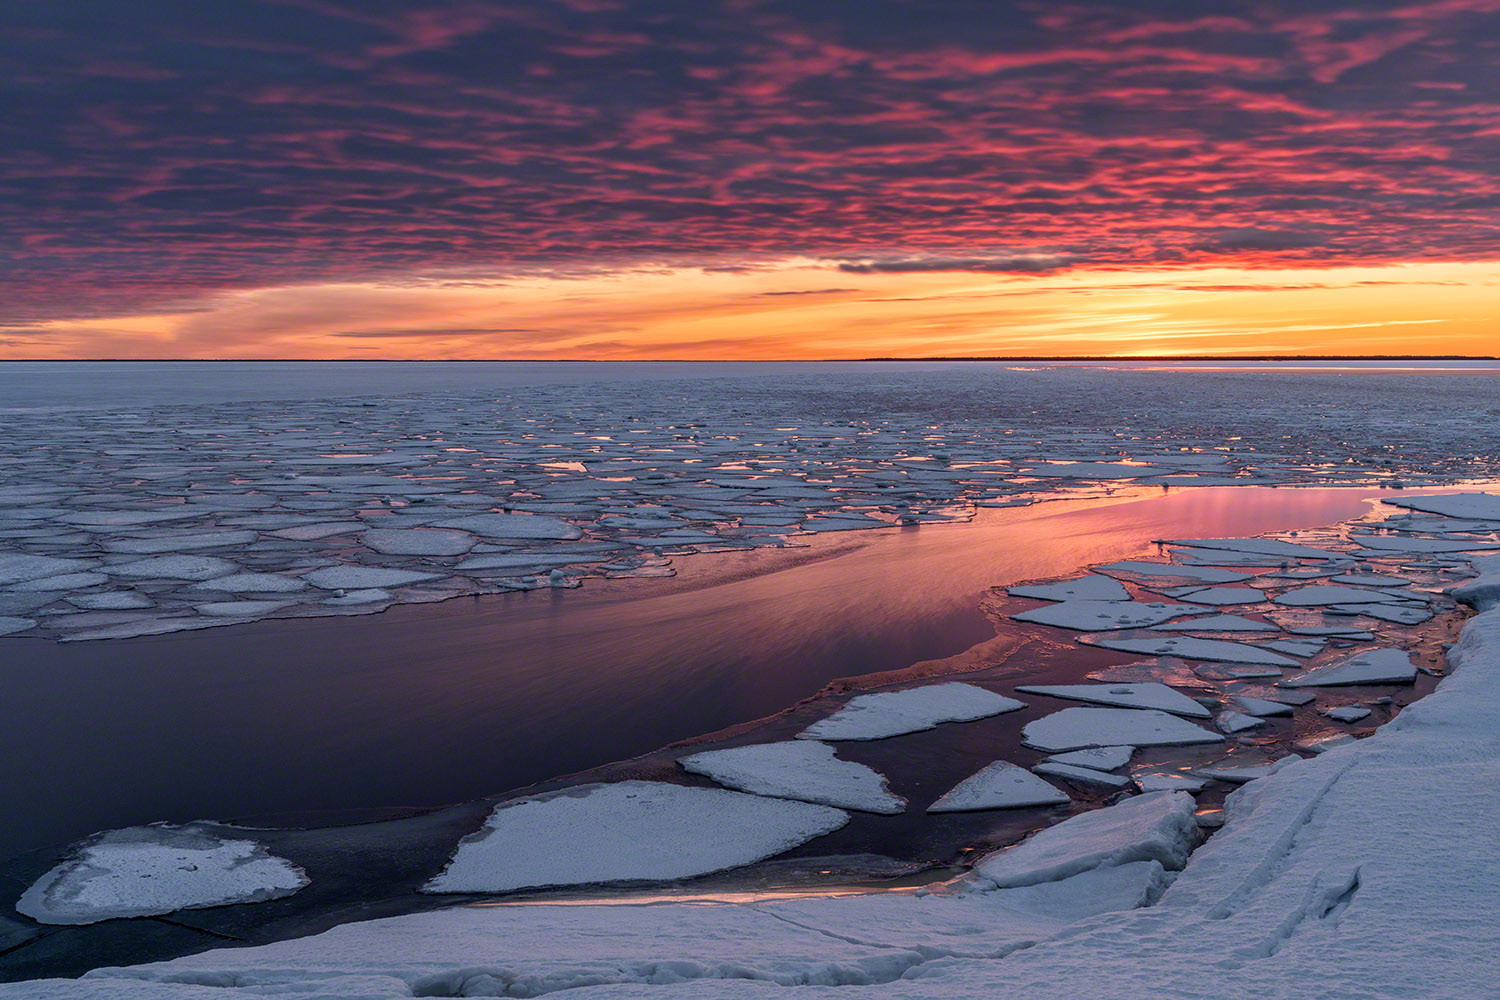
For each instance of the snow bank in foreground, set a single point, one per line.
(627, 831)
(146, 870)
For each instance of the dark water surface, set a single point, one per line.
(426, 705)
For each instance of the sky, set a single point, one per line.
(622, 179)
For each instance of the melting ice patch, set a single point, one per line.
(141, 871)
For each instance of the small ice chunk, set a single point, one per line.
(1086, 616)
(1138, 695)
(1092, 587)
(1235, 774)
(1098, 758)
(1303, 648)
(1000, 785)
(146, 870)
(627, 831)
(1324, 743)
(1373, 666)
(1168, 781)
(1077, 728)
(1261, 707)
(1081, 775)
(1348, 713)
(798, 769)
(1230, 672)
(362, 577)
(179, 542)
(1237, 722)
(1385, 612)
(322, 529)
(892, 713)
(1156, 827)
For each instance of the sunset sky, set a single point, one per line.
(698, 179)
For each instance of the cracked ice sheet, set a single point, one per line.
(148, 870)
(895, 713)
(797, 769)
(627, 831)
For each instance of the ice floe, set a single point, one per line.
(1095, 615)
(1077, 728)
(1191, 648)
(1348, 713)
(1091, 587)
(1139, 695)
(627, 831)
(893, 713)
(797, 769)
(1373, 666)
(364, 577)
(1217, 623)
(1098, 758)
(1221, 596)
(149, 870)
(1237, 722)
(1151, 570)
(1259, 546)
(1000, 785)
(1081, 775)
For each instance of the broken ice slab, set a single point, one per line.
(1150, 570)
(1086, 616)
(999, 785)
(805, 770)
(1098, 758)
(1081, 775)
(1077, 728)
(1137, 695)
(1372, 666)
(1191, 648)
(894, 713)
(1156, 827)
(1084, 588)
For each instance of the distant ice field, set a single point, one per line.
(145, 498)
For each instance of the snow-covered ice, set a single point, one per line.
(999, 785)
(1217, 623)
(797, 769)
(148, 870)
(1077, 728)
(627, 831)
(893, 713)
(1238, 722)
(1156, 827)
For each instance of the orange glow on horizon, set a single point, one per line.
(801, 309)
